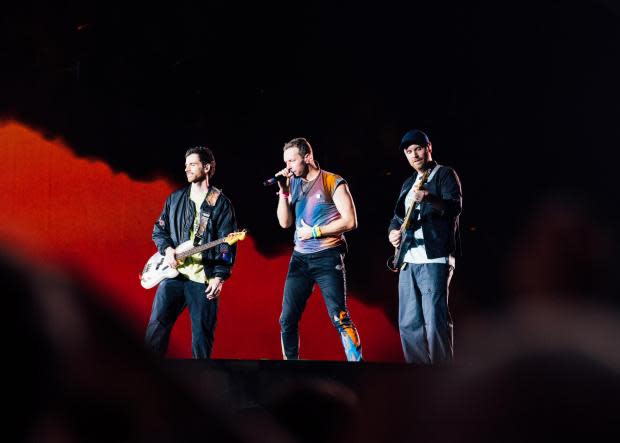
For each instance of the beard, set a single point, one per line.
(196, 178)
(304, 171)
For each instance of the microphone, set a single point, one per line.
(273, 180)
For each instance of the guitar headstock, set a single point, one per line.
(234, 237)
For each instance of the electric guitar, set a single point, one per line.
(156, 270)
(395, 262)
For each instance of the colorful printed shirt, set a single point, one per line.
(315, 206)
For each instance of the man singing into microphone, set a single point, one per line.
(321, 206)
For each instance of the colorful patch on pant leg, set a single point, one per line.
(353, 351)
(349, 337)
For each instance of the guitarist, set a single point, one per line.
(203, 209)
(423, 315)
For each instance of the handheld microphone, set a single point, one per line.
(273, 180)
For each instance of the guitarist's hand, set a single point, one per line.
(214, 288)
(420, 195)
(394, 237)
(169, 259)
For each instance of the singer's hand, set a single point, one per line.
(304, 232)
(284, 185)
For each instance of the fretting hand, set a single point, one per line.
(419, 195)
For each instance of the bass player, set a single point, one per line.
(198, 212)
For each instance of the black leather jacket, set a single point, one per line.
(439, 227)
(177, 219)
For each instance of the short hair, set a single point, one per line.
(300, 143)
(206, 157)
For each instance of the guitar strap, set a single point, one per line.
(205, 214)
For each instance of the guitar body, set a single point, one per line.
(399, 253)
(156, 270)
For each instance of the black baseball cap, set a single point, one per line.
(414, 137)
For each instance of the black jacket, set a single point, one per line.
(177, 219)
(439, 227)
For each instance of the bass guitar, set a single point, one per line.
(156, 270)
(396, 261)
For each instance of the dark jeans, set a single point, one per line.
(326, 268)
(423, 315)
(172, 296)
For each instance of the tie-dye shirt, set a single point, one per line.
(316, 207)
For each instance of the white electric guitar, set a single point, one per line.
(156, 270)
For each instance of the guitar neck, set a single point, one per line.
(400, 250)
(197, 249)
(407, 219)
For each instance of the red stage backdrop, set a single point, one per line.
(75, 213)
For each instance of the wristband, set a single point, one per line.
(284, 194)
(316, 231)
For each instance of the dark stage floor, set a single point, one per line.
(527, 398)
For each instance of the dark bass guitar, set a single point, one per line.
(395, 262)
